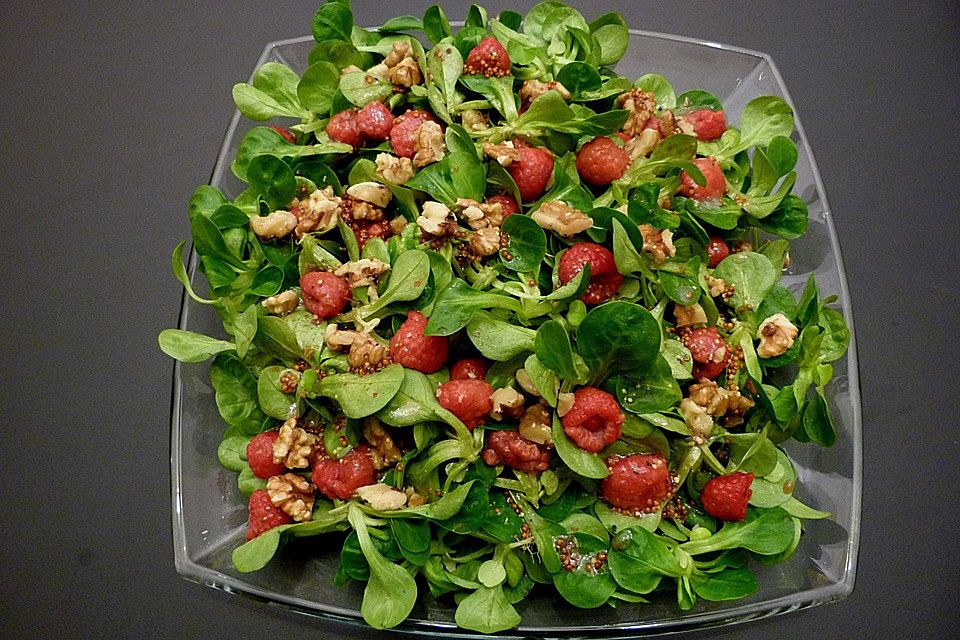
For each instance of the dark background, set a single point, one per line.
(112, 114)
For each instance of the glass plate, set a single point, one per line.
(210, 514)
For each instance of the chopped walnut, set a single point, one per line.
(394, 169)
(504, 153)
(474, 120)
(360, 210)
(383, 497)
(659, 242)
(398, 224)
(337, 339)
(689, 315)
(564, 403)
(562, 218)
(319, 212)
(363, 272)
(428, 144)
(642, 144)
(641, 105)
(716, 286)
(372, 192)
(776, 335)
(293, 494)
(405, 74)
(535, 425)
(414, 499)
(670, 125)
(485, 242)
(505, 398)
(434, 217)
(282, 303)
(526, 382)
(533, 89)
(383, 451)
(479, 215)
(293, 446)
(697, 419)
(401, 50)
(278, 224)
(367, 354)
(718, 401)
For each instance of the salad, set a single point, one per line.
(499, 319)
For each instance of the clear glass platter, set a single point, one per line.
(210, 514)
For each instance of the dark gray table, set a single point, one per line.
(112, 115)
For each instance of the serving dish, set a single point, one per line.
(209, 512)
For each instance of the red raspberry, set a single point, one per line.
(532, 172)
(638, 482)
(324, 294)
(594, 420)
(263, 515)
(605, 280)
(726, 497)
(715, 186)
(515, 451)
(508, 204)
(469, 400)
(286, 133)
(412, 349)
(343, 127)
(260, 455)
(469, 369)
(340, 478)
(707, 123)
(375, 121)
(601, 161)
(717, 250)
(709, 350)
(403, 133)
(489, 58)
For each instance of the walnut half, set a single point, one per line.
(293, 494)
(776, 335)
(293, 446)
(562, 218)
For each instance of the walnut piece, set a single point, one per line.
(505, 398)
(642, 144)
(282, 303)
(294, 446)
(428, 144)
(373, 192)
(336, 339)
(485, 242)
(776, 335)
(433, 217)
(405, 74)
(400, 51)
(718, 401)
(474, 120)
(562, 218)
(526, 382)
(658, 242)
(716, 286)
(319, 212)
(361, 210)
(363, 272)
(564, 403)
(535, 425)
(383, 497)
(504, 153)
(689, 315)
(278, 224)
(533, 89)
(394, 169)
(293, 494)
(383, 451)
(697, 419)
(366, 354)
(479, 215)
(641, 105)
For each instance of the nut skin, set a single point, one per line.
(715, 186)
(601, 161)
(324, 294)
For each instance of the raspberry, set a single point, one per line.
(515, 451)
(509, 205)
(260, 455)
(403, 133)
(594, 420)
(343, 127)
(412, 349)
(286, 133)
(324, 294)
(532, 172)
(489, 58)
(263, 515)
(726, 497)
(469, 400)
(340, 478)
(469, 369)
(715, 186)
(605, 280)
(717, 250)
(709, 350)
(375, 121)
(601, 161)
(707, 123)
(638, 483)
